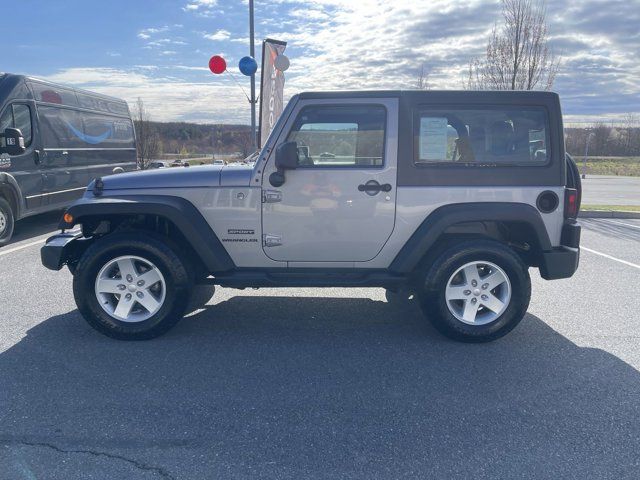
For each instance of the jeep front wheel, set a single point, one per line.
(476, 291)
(132, 286)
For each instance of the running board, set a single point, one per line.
(301, 277)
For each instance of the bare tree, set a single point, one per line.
(631, 134)
(602, 138)
(518, 56)
(242, 139)
(423, 79)
(148, 142)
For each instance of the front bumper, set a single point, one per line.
(61, 249)
(562, 262)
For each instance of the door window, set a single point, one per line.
(18, 116)
(340, 136)
(22, 121)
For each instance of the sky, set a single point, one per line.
(158, 50)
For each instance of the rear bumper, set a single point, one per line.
(60, 249)
(562, 262)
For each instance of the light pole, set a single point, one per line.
(252, 52)
(586, 152)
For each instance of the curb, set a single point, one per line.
(607, 214)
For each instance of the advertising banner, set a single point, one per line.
(271, 88)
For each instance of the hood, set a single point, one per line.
(204, 176)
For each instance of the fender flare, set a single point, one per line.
(429, 232)
(7, 180)
(182, 213)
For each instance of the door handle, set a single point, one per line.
(36, 157)
(372, 187)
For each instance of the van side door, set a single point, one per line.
(24, 168)
(64, 168)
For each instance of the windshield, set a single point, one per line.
(276, 129)
(253, 157)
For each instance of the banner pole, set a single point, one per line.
(260, 139)
(252, 52)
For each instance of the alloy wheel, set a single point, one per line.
(130, 289)
(478, 293)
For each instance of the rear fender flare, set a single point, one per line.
(431, 229)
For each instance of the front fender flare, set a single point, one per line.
(182, 213)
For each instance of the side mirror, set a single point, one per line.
(13, 141)
(287, 156)
(286, 159)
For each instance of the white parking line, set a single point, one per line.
(21, 247)
(610, 257)
(625, 224)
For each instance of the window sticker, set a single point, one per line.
(433, 138)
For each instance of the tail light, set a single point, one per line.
(570, 203)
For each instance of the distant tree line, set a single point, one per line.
(203, 138)
(606, 140)
(154, 139)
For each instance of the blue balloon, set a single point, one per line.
(248, 66)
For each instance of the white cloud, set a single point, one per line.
(218, 35)
(380, 44)
(206, 99)
(201, 7)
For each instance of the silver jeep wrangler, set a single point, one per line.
(449, 195)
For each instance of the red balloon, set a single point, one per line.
(217, 64)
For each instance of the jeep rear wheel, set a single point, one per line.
(7, 222)
(476, 291)
(132, 286)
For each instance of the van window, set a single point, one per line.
(482, 136)
(22, 121)
(57, 95)
(107, 131)
(6, 120)
(340, 136)
(102, 105)
(61, 127)
(18, 116)
(66, 128)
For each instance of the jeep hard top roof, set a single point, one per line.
(481, 96)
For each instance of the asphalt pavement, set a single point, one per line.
(611, 190)
(325, 383)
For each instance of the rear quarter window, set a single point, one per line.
(481, 136)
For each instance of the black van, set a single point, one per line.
(53, 141)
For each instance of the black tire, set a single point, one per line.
(200, 296)
(397, 297)
(432, 299)
(7, 222)
(151, 247)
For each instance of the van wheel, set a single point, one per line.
(477, 291)
(132, 286)
(7, 222)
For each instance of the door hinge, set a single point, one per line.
(271, 240)
(271, 196)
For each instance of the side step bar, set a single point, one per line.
(301, 277)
